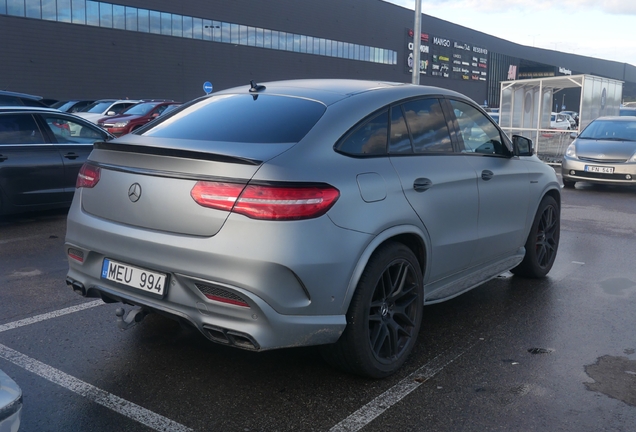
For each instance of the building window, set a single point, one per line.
(187, 27)
(131, 19)
(108, 15)
(119, 17)
(177, 25)
(49, 11)
(92, 13)
(155, 22)
(143, 20)
(64, 11)
(79, 11)
(105, 15)
(166, 23)
(15, 7)
(33, 9)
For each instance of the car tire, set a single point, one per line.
(543, 241)
(384, 316)
(568, 184)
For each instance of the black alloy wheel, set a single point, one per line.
(384, 317)
(543, 241)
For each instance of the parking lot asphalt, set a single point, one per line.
(512, 355)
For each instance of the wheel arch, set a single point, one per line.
(554, 193)
(411, 236)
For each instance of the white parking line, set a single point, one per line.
(49, 315)
(395, 394)
(92, 393)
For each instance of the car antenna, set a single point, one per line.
(256, 87)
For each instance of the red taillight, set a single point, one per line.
(216, 195)
(267, 202)
(76, 254)
(88, 176)
(227, 300)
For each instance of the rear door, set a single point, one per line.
(439, 183)
(74, 140)
(31, 168)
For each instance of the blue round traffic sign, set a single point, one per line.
(207, 87)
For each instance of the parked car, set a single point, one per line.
(570, 119)
(604, 153)
(105, 108)
(10, 404)
(247, 214)
(41, 153)
(559, 121)
(574, 115)
(72, 106)
(134, 117)
(8, 98)
(627, 111)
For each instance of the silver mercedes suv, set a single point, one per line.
(311, 212)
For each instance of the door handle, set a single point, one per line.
(71, 155)
(422, 184)
(487, 175)
(3, 158)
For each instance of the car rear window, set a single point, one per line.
(242, 118)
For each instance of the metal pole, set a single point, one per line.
(417, 32)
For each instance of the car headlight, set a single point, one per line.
(633, 158)
(120, 124)
(571, 151)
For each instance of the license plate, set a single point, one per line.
(135, 277)
(599, 169)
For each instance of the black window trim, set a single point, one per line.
(360, 124)
(447, 116)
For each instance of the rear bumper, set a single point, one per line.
(258, 328)
(294, 277)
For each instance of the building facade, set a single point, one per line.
(134, 49)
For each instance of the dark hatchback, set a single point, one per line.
(41, 152)
(9, 98)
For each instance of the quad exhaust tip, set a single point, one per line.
(78, 287)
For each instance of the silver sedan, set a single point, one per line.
(311, 212)
(604, 153)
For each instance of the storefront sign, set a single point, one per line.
(446, 58)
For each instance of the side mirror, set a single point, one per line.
(111, 113)
(573, 135)
(522, 146)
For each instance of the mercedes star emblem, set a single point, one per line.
(134, 192)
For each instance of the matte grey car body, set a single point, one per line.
(604, 153)
(392, 220)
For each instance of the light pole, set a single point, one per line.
(417, 35)
(563, 102)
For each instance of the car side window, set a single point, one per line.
(478, 133)
(428, 126)
(119, 108)
(19, 129)
(400, 140)
(370, 138)
(67, 131)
